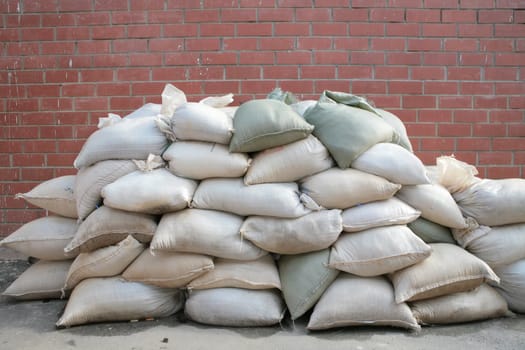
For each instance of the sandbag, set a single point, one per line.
(91, 180)
(302, 106)
(512, 285)
(43, 238)
(107, 226)
(386, 212)
(200, 122)
(346, 131)
(497, 245)
(232, 195)
(398, 125)
(449, 269)
(304, 279)
(255, 274)
(153, 192)
(378, 251)
(202, 160)
(314, 231)
(133, 138)
(430, 232)
(56, 195)
(266, 123)
(435, 203)
(114, 299)
(167, 269)
(360, 301)
(394, 163)
(454, 174)
(481, 303)
(104, 262)
(42, 280)
(340, 189)
(235, 307)
(494, 202)
(290, 162)
(147, 110)
(208, 232)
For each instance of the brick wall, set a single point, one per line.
(453, 70)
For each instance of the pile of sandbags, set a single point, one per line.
(240, 215)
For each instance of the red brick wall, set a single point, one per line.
(453, 70)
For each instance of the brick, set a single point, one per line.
(130, 45)
(23, 216)
(39, 62)
(509, 144)
(441, 87)
(475, 30)
(391, 72)
(402, 29)
(254, 29)
(329, 29)
(387, 15)
(516, 130)
(168, 45)
(217, 29)
(364, 87)
(456, 129)
(291, 29)
(297, 57)
(238, 15)
(246, 72)
(165, 16)
(438, 30)
(423, 15)
(270, 44)
(476, 59)
(96, 75)
(463, 73)
(275, 14)
(56, 132)
(91, 104)
(202, 44)
(145, 59)
(71, 90)
(459, 16)
(513, 4)
(403, 58)
(262, 3)
(369, 3)
(205, 73)
(426, 44)
(495, 16)
(488, 130)
(434, 116)
(39, 6)
(441, 4)
(113, 89)
(113, 32)
(477, 88)
(419, 101)
(312, 14)
(337, 85)
(217, 58)
(134, 74)
(517, 88)
(69, 146)
(460, 44)
(498, 45)
(144, 31)
(331, 57)
(29, 76)
(23, 132)
(351, 43)
(9, 35)
(299, 87)
(74, 6)
(57, 48)
(318, 72)
(406, 3)
(42, 90)
(428, 73)
(405, 87)
(125, 103)
(146, 5)
(167, 73)
(506, 116)
(501, 73)
(490, 102)
(332, 3)
(437, 144)
(90, 18)
(111, 5)
(351, 15)
(495, 172)
(119, 60)
(368, 57)
(508, 30)
(181, 58)
(219, 87)
(280, 72)
(355, 72)
(385, 101)
(40, 146)
(473, 144)
(256, 86)
(517, 102)
(367, 29)
(388, 44)
(239, 44)
(455, 102)
(476, 4)
(91, 47)
(56, 104)
(313, 43)
(60, 160)
(22, 49)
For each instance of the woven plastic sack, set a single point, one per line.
(398, 126)
(512, 285)
(430, 232)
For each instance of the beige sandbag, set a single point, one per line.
(114, 299)
(435, 203)
(310, 232)
(398, 125)
(91, 180)
(454, 174)
(232, 195)
(497, 245)
(199, 122)
(255, 274)
(512, 286)
(43, 238)
(104, 262)
(360, 301)
(449, 269)
(290, 162)
(56, 195)
(201, 160)
(481, 303)
(167, 269)
(153, 192)
(107, 226)
(378, 251)
(494, 202)
(132, 138)
(235, 307)
(340, 189)
(208, 232)
(302, 106)
(387, 212)
(394, 163)
(42, 280)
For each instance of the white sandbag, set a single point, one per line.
(290, 162)
(43, 238)
(235, 307)
(512, 285)
(199, 122)
(127, 139)
(208, 232)
(344, 188)
(91, 180)
(478, 304)
(310, 232)
(218, 101)
(394, 163)
(42, 280)
(255, 274)
(104, 262)
(147, 110)
(200, 160)
(153, 192)
(449, 269)
(301, 106)
(114, 299)
(232, 195)
(107, 226)
(378, 251)
(454, 174)
(167, 269)
(494, 202)
(398, 126)
(387, 212)
(496, 245)
(360, 301)
(56, 195)
(435, 203)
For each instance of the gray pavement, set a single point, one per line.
(30, 325)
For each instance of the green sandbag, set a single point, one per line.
(347, 99)
(430, 232)
(304, 278)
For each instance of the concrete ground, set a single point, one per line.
(30, 325)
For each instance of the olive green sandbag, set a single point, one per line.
(347, 132)
(266, 123)
(304, 278)
(430, 232)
